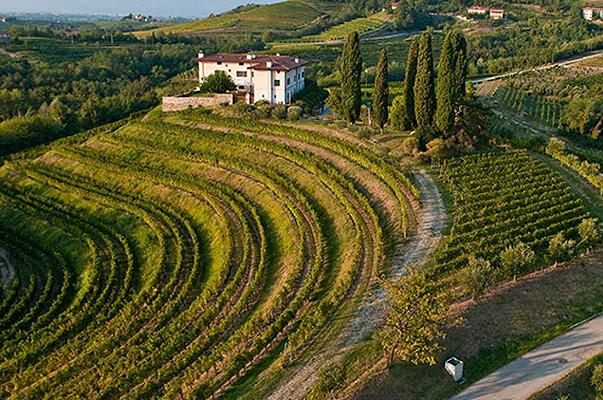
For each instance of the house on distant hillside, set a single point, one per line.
(4, 37)
(496, 13)
(393, 6)
(2, 20)
(589, 13)
(477, 10)
(275, 79)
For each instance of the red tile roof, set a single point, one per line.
(259, 62)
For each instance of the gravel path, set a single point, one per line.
(541, 367)
(431, 221)
(7, 272)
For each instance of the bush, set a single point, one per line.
(479, 276)
(410, 145)
(218, 82)
(294, 113)
(438, 149)
(279, 112)
(597, 381)
(561, 249)
(589, 232)
(517, 259)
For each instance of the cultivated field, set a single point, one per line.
(179, 255)
(286, 15)
(360, 25)
(504, 199)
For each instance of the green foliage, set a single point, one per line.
(416, 319)
(446, 88)
(218, 82)
(21, 132)
(516, 260)
(597, 380)
(561, 249)
(589, 231)
(479, 276)
(350, 71)
(424, 89)
(404, 106)
(381, 92)
(294, 113)
(410, 145)
(439, 149)
(582, 114)
(588, 170)
(502, 199)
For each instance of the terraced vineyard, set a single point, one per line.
(503, 199)
(179, 255)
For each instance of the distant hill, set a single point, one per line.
(286, 16)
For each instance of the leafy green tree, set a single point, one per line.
(479, 276)
(381, 92)
(517, 259)
(589, 231)
(350, 72)
(559, 248)
(416, 319)
(404, 105)
(424, 89)
(218, 82)
(446, 88)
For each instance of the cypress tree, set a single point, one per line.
(424, 90)
(446, 88)
(381, 92)
(350, 73)
(410, 74)
(459, 45)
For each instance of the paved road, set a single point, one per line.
(568, 61)
(541, 367)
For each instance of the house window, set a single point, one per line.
(219, 62)
(303, 74)
(277, 82)
(241, 74)
(288, 81)
(241, 87)
(241, 63)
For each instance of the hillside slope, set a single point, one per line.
(287, 15)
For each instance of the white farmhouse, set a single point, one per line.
(275, 79)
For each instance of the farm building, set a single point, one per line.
(393, 6)
(497, 13)
(275, 79)
(591, 12)
(4, 37)
(477, 10)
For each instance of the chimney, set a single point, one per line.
(297, 60)
(268, 64)
(250, 56)
(278, 54)
(201, 54)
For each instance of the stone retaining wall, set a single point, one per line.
(170, 104)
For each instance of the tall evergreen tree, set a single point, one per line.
(459, 46)
(381, 92)
(408, 94)
(350, 73)
(424, 90)
(446, 88)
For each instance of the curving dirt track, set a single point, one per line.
(431, 221)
